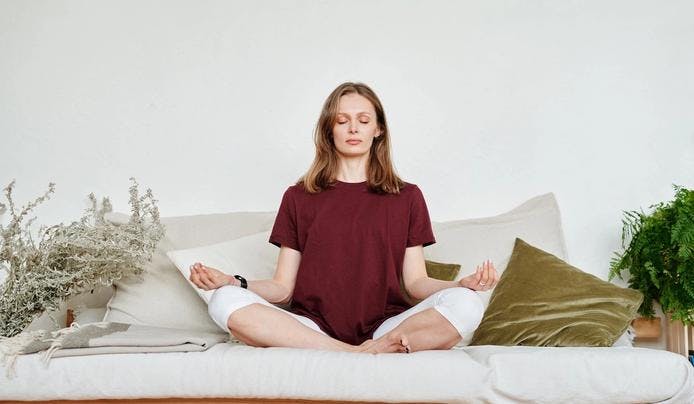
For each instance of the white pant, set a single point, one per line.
(461, 306)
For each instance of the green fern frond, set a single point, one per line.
(658, 254)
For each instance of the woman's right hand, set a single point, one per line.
(484, 278)
(209, 278)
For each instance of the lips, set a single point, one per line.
(354, 141)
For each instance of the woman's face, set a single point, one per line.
(356, 126)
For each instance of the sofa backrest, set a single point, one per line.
(165, 299)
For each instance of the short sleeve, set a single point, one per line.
(420, 231)
(284, 231)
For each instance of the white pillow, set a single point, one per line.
(472, 241)
(250, 256)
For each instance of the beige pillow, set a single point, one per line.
(251, 256)
(469, 242)
(164, 298)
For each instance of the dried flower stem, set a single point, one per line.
(70, 259)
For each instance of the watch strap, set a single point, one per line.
(244, 283)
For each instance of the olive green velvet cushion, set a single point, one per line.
(441, 271)
(541, 300)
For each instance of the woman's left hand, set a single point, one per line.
(484, 278)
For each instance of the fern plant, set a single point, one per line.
(659, 256)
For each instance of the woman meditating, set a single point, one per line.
(349, 231)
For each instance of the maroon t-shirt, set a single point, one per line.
(352, 245)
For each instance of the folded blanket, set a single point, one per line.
(104, 338)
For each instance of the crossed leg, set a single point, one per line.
(425, 330)
(432, 324)
(255, 322)
(263, 326)
(438, 322)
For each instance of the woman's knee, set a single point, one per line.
(225, 301)
(465, 304)
(223, 297)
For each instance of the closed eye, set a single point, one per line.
(344, 122)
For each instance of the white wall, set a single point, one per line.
(212, 103)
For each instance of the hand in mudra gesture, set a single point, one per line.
(209, 278)
(484, 278)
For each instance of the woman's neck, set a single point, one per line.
(352, 169)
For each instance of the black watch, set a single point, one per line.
(244, 284)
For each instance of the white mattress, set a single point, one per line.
(470, 374)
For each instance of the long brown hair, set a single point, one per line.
(380, 173)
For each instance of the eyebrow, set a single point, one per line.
(358, 113)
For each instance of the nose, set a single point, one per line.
(353, 127)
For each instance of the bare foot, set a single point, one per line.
(388, 343)
(361, 347)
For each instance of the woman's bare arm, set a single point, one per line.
(279, 289)
(420, 286)
(417, 283)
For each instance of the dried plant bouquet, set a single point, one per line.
(70, 259)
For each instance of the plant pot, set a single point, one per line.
(646, 328)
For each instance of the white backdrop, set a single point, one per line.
(212, 103)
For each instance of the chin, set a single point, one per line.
(353, 153)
